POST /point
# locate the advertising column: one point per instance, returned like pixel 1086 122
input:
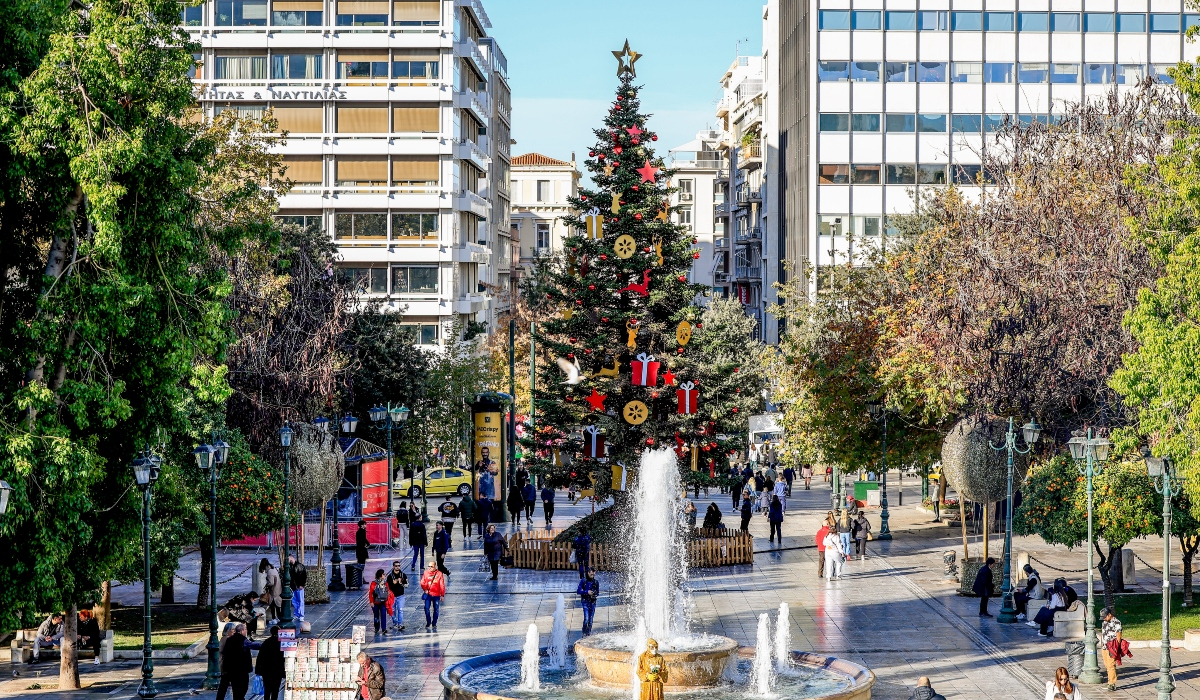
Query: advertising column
pixel 489 440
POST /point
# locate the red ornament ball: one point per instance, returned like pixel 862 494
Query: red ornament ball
pixel 549 295
pixel 618 98
pixel 622 201
pixel 637 216
pixel 696 255
pixel 634 142
pixel 616 164
pixel 649 441
pixel 654 394
pixel 587 351
pixel 592 287
pixel 635 189
pixel 734 409
pixel 578 302
pixel 699 325
pixel 604 319
pixel 654 137
pixel 647 249
pixel 603 256
pixel 571 355
pixel 617 150
pixel 600 156
pixel 683 278
pixel 695 241
pixel 679 350
pixel 735 370
pixel 573 340
pixel 583 198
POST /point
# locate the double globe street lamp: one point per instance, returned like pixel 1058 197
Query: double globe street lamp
pixel 1030 431
pixel 209 458
pixel 880 413
pixel 1162 474
pixel 146 469
pixel 348 425
pixel 390 417
pixel 1090 454
pixel 285 441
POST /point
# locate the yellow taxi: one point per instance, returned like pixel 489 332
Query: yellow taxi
pixel 441 481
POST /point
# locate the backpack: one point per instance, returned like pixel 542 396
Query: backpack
pixel 379 589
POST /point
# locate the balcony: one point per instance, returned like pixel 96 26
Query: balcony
pixel 721 243
pixel 477 7
pixel 746 194
pixel 477 102
pixel 752 235
pixel 470 253
pixel 470 51
pixel 724 105
pixel 750 156
pixel 721 208
pixel 466 200
pixel 750 274
pixel 470 303
pixel 748 114
pixel 473 152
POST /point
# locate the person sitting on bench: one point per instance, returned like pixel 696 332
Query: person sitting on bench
pixel 49 634
pixel 89 634
pixel 1034 590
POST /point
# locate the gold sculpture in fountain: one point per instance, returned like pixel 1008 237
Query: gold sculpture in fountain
pixel 652 672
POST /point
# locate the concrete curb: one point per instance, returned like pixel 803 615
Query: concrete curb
pixel 190 652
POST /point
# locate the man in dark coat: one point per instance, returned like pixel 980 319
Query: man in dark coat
pixel 419 540
pixel 270 665
pixel 516 504
pixel 924 691
pixel 372 682
pixel 299 576
pixel 441 545
pixel 983 586
pixel 583 551
pixel 235 666
pixel 361 545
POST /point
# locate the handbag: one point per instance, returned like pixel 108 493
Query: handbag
pixel 256 686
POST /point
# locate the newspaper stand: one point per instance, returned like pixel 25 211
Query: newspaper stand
pixel 322 669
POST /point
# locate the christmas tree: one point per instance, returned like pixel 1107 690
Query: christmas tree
pixel 623 316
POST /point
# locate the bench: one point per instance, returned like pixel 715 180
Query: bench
pixel 1069 624
pixel 1033 607
pixel 21 647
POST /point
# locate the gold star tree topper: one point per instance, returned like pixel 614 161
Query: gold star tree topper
pixel 625 60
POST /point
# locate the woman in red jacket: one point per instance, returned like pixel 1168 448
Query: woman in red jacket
pixel 433 583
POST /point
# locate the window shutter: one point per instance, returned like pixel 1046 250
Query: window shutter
pixel 362 7
pixel 362 120
pixel 304 170
pixel 361 56
pixel 362 169
pixel 297 6
pixel 416 55
pixel 300 120
pixel 418 11
pixel 415 169
pixel 416 118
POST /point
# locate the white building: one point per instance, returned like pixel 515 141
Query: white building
pixel 541 187
pixel 878 98
pixel 702 181
pixel 399 115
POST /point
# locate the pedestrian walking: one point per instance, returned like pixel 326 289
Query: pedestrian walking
pixel 380 598
pixel 441 545
pixel 747 510
pixel 822 532
pixel 529 498
pixel 1062 685
pixel 547 505
pixel 396 581
pixel 449 514
pixel 806 473
pixel 269 666
pixel 272 593
pixel 924 691
pixel 467 510
pixel 419 539
pixel 485 514
pixel 361 545
pixel 589 592
pixel 861 532
pixel 780 492
pixel 235 665
pixel 433 585
pixel 583 551
pixel 983 586
pixel 1112 647
pixel 373 683
pixel 299 579
pixel 775 518
pixel 516 504
pixel 789 475
pixel 834 556
pixel 493 549
pixel 845 530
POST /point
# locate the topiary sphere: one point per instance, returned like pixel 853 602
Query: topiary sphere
pixel 978 472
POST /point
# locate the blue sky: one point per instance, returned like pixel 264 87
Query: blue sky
pixel 563 74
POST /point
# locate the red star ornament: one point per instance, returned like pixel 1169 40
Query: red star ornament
pixel 634 131
pixel 669 378
pixel 596 400
pixel 648 172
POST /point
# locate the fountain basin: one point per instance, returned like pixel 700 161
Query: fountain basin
pixel 495 677
pixel 702 667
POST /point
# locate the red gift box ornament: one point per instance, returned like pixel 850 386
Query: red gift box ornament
pixel 688 396
pixel 645 370
pixel 593 442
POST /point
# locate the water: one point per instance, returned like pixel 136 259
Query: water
pixel 760 675
pixel 659 566
pixel 530 661
pixel 639 647
pixel 783 639
pixel 571 684
pixel 558 636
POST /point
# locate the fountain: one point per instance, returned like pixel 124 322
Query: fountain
pixel 558 636
pixel 701 665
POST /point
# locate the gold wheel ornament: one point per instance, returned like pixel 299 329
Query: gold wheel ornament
pixel 635 413
pixel 683 333
pixel 625 246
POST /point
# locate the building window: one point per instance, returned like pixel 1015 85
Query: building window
pixel 1065 73
pixel 833 19
pixel 543 236
pixel 865 175
pixel 362 65
pixel 834 122
pixel 192 16
pixel 1033 73
pixel 685 214
pixel 1064 21
pixel 901 174
pixel 362 14
pixel 866 225
pixel 1161 73
pixel 966 174
pixel 967 123
pixel 998 21
pixel 1130 74
pixel 426 333
pixel 902 21
pixel 240 68
pixel 931 123
pixel 931 174
pixel 992 123
pixel 1098 73
pixel 302 220
pixel 298 17
pixel 966 21
pixel 998 72
pixel 833 71
pixel 414 225
pixel 415 70
pixel 835 174
pixel 831 225
pixel 864 71
pixel 900 123
pixel 1033 21
pixel 297 66
pixel 543 191
pixel 868 19
pixel 360 226
pixel 966 72
pixel 241 13
pixel 686 190
pixel 1131 23
pixel 417 13
pixel 1098 22
pixel 1164 23
pixel 864 122
pixel 415 279
pixel 931 21
pixel 895 72
pixel 928 72
pixel 366 280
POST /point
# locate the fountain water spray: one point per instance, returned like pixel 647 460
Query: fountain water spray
pixel 530 661
pixel 660 566
pixel 558 636
pixel 760 674
pixel 783 639
pixel 639 646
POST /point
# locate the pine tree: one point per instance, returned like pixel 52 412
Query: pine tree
pixel 619 292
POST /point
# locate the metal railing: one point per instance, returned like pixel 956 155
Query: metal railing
pixel 749 272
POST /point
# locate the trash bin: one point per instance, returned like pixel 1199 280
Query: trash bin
pixel 1074 658
pixel 354 576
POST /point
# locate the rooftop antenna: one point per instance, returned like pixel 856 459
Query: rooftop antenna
pixel 737 46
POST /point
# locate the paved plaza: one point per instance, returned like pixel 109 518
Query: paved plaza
pixel 895 613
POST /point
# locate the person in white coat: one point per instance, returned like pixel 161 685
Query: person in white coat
pixel 1062 685
pixel 834 556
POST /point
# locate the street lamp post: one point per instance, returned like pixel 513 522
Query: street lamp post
pixel 1161 472
pixel 335 581
pixel 209 458
pixel 1089 454
pixel 880 413
pixel 145 472
pixel 285 617
pixel 389 416
pixel 1031 431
